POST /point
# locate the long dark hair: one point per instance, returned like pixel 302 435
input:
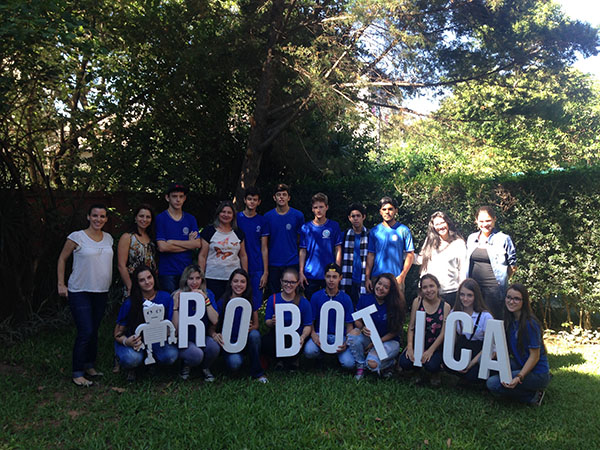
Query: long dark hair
pixel 228 295
pixel 473 286
pixel 396 304
pixel 136 311
pixel 527 316
pixel 133 228
pixel 433 239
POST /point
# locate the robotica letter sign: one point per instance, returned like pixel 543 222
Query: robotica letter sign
pixel 494 340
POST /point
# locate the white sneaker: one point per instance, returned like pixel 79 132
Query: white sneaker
pixel 262 379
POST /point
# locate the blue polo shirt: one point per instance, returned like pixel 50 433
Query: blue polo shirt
pixel 283 230
pixel 390 245
pixel 320 242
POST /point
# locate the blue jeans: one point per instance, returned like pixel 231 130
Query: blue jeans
pixel 434 365
pixel 234 361
pixel 87 309
pixel 257 293
pixel 168 283
pixel 358 343
pixel 312 351
pixel 194 356
pixel 524 392
pixel 130 358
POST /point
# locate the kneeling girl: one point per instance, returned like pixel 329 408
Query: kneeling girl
pixel 388 320
pixel 127 343
pixel 436 310
pixel 239 286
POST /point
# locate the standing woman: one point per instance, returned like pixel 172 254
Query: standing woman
pixel 291 292
pixel 137 246
pixel 444 254
pixel 239 286
pixel 87 289
pixel 492 260
pixel 192 280
pixel 471 302
pixel 388 320
pixel 223 249
pixel 436 311
pixel 528 357
pixel 127 344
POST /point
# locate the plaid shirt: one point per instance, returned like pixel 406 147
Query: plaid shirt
pixel 348 257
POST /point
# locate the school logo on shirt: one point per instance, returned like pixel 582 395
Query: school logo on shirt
pixel 258 228
pixel 288 226
pixel 326 234
pixel 186 230
pixel 394 237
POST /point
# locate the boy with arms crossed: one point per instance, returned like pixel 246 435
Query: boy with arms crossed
pixel 176 237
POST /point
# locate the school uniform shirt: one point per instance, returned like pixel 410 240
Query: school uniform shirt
pixel 320 298
pixel 306 317
pixel 254 229
pixel 532 340
pixel 168 228
pixel 92 263
pixel 319 241
pixel 223 252
pixel 389 245
pixel 283 232
pixel 379 317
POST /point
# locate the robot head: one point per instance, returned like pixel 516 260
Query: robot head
pixel 154 313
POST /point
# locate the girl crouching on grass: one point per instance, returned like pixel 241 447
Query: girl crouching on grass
pixel 436 311
pixel 528 357
pixel 192 280
pixel 239 286
pixel 127 344
pixel 471 302
pixel 388 320
pixel 290 293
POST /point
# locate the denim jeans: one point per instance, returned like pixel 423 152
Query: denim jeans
pixel 312 351
pixel 194 356
pixel 524 392
pixel 358 343
pixel 434 365
pixel 87 309
pixel 234 361
pixel 168 283
pixel 130 358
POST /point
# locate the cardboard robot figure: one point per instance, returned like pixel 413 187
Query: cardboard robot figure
pixel 155 329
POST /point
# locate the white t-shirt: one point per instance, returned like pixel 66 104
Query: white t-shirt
pixel 92 263
pixel 223 252
pixel 480 331
pixel 449 266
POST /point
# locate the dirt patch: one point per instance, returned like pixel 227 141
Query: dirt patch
pixel 11 369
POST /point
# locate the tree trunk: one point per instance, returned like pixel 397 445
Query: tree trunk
pixel 259 122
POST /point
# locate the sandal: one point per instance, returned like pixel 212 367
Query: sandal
pixel 82 382
pixel 93 373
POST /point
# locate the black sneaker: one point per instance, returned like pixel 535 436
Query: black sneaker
pixel 538 398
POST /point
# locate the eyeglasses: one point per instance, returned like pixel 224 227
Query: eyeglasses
pixel 513 299
pixel 288 282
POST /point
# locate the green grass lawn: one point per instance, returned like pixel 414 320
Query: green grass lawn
pixel 311 408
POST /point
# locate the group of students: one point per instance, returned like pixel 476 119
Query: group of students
pixel 280 258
